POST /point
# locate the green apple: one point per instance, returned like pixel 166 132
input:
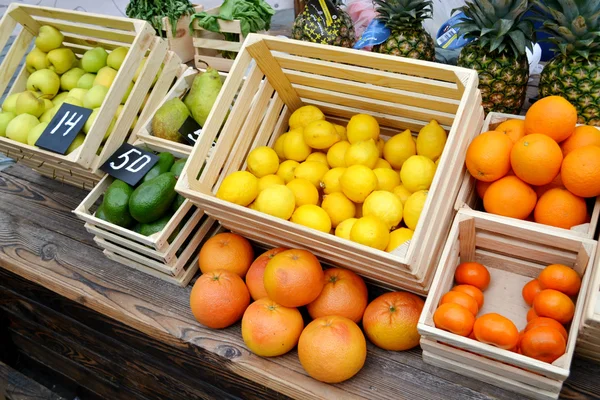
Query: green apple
pixel 36 60
pixel 29 103
pixel 127 93
pixel 135 121
pixel 139 69
pixel 78 141
pixel 49 38
pixel 95 96
pixel 73 100
pixel 86 81
pixel 70 78
pixel 58 100
pixel 145 100
pixel 48 104
pixel 35 133
pixel 105 76
pixel 61 60
pixel 77 63
pixel 94 59
pixel 120 108
pixel 90 121
pixel 5 118
pixel 45 81
pixel 157 75
pixel 116 57
pixel 10 103
pixel 18 129
pixel 78 93
pixel 48 115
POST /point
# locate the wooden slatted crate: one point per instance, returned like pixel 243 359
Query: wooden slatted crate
pixel 588 343
pixel 181 42
pixel 468 193
pixel 400 93
pixel 514 253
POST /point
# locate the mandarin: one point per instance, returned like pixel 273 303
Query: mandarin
pixel 581 171
pixel 513 128
pixel 536 159
pixel 554 304
pixel 530 290
pixel 454 318
pixel 543 343
pixel 510 197
pixel 488 156
pixel 461 299
pixel 226 251
pixel 472 273
pixel 496 330
pixel 560 277
pixel 254 277
pixel 543 321
pixel 584 135
pixel 561 208
pixel 472 291
pixel 553 116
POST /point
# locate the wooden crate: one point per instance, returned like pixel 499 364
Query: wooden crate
pixel 272 77
pixel 181 42
pixel 588 343
pixel 514 253
pixel 468 194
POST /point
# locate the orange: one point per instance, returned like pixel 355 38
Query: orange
pixel 270 329
pixel 531 314
pixel 510 197
pixel 553 116
pixel 543 343
pixel 390 321
pixel 332 349
pixel 543 321
pixel 472 291
pixel 462 299
pixel 513 128
pixel 472 273
pixel 293 278
pixel 530 290
pixel 482 187
pixel 536 159
pixel 226 251
pixel 581 171
pixel 556 183
pixel 488 156
pixel 561 208
pixel 584 135
pixel 554 304
pixel 344 294
pixel 254 277
pixel 454 318
pixel 219 299
pixel 560 277
pixel 496 330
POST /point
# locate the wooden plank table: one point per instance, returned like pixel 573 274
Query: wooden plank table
pixel 122 334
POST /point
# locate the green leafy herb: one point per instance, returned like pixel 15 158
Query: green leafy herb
pixel 153 11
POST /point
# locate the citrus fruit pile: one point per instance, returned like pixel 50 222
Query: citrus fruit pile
pixel 544 338
pixel 342 180
pixel 541 168
pixel 332 347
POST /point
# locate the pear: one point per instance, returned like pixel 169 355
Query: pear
pixel 10 103
pixel 18 129
pixel 95 96
pixel 78 93
pixel 116 57
pixel 29 103
pixel 36 132
pixel 61 60
pixel 105 76
pixel 70 78
pixel 36 60
pixel 78 141
pixel 93 60
pixel 202 96
pixel 5 118
pixel 45 81
pixel 168 119
pixel 86 81
pixel 49 38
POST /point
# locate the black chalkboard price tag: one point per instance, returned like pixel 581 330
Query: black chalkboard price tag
pixel 190 130
pixel 129 164
pixel 63 128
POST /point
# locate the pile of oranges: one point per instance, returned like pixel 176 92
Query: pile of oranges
pixel 332 347
pixel 544 338
pixel 541 168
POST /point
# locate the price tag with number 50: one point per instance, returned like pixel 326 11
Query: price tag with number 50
pixel 129 164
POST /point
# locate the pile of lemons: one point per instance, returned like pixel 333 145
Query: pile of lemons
pixel 347 181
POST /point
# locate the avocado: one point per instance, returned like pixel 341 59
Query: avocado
pixel 152 199
pixel 179 199
pixel 157 226
pixel 100 212
pixel 116 203
pixel 177 167
pixel 164 164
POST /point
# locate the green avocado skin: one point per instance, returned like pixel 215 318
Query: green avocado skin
pixel 116 203
pixel 157 226
pixel 179 199
pixel 164 164
pixel 152 199
pixel 177 167
pixel 100 212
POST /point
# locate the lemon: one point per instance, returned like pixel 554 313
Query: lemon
pixel 437 162
pixel 262 161
pixel 294 146
pixel 370 231
pixel 417 173
pixel 277 200
pixel 380 146
pixel 362 127
pixel 359 210
pixel 313 171
pixel 269 180
pixel 304 116
pixel 431 140
pixel 286 170
pixel 382 163
pixel 384 205
pixel 358 182
pixel 304 192
pixel 399 148
pixel 337 153
pixel 413 207
pixel 318 156
pixel 387 179
pixel 320 135
pixel 362 153
pixel 341 130
pixel 344 228
pixel 240 187
pixel 330 183
pixel 278 146
pixel 338 207
pixel 402 193
pixel 253 206
pixel 313 217
pixel 399 237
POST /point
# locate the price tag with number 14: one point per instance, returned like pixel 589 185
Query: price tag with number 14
pixel 63 128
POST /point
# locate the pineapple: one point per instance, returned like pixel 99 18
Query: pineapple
pixel 574 73
pixel 501 31
pixel 404 18
pixel 313 24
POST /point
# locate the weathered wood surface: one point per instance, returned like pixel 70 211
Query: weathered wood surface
pixel 133 330
pixel 16 386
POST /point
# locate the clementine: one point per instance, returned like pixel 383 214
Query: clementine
pixel 454 318
pixel 344 294
pixel 219 299
pixel 554 304
pixel 560 277
pixel 254 277
pixel 543 321
pixel 530 290
pixel 556 183
pixel 584 135
pixel 488 156
pixel 390 321
pixel 561 208
pixel 332 349
pixel 226 251
pixel 461 299
pixel 513 128
pixel 581 171
pixel 543 343
pixel 510 197
pixel 472 291
pixel 496 330
pixel 553 116
pixel 536 159
pixel 472 273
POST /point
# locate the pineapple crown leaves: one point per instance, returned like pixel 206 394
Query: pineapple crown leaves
pixel 498 25
pixel 573 25
pixel 403 13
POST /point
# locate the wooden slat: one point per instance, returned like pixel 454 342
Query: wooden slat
pixel 19 387
pixel 466 236
pixel 13 58
pixel 216 44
